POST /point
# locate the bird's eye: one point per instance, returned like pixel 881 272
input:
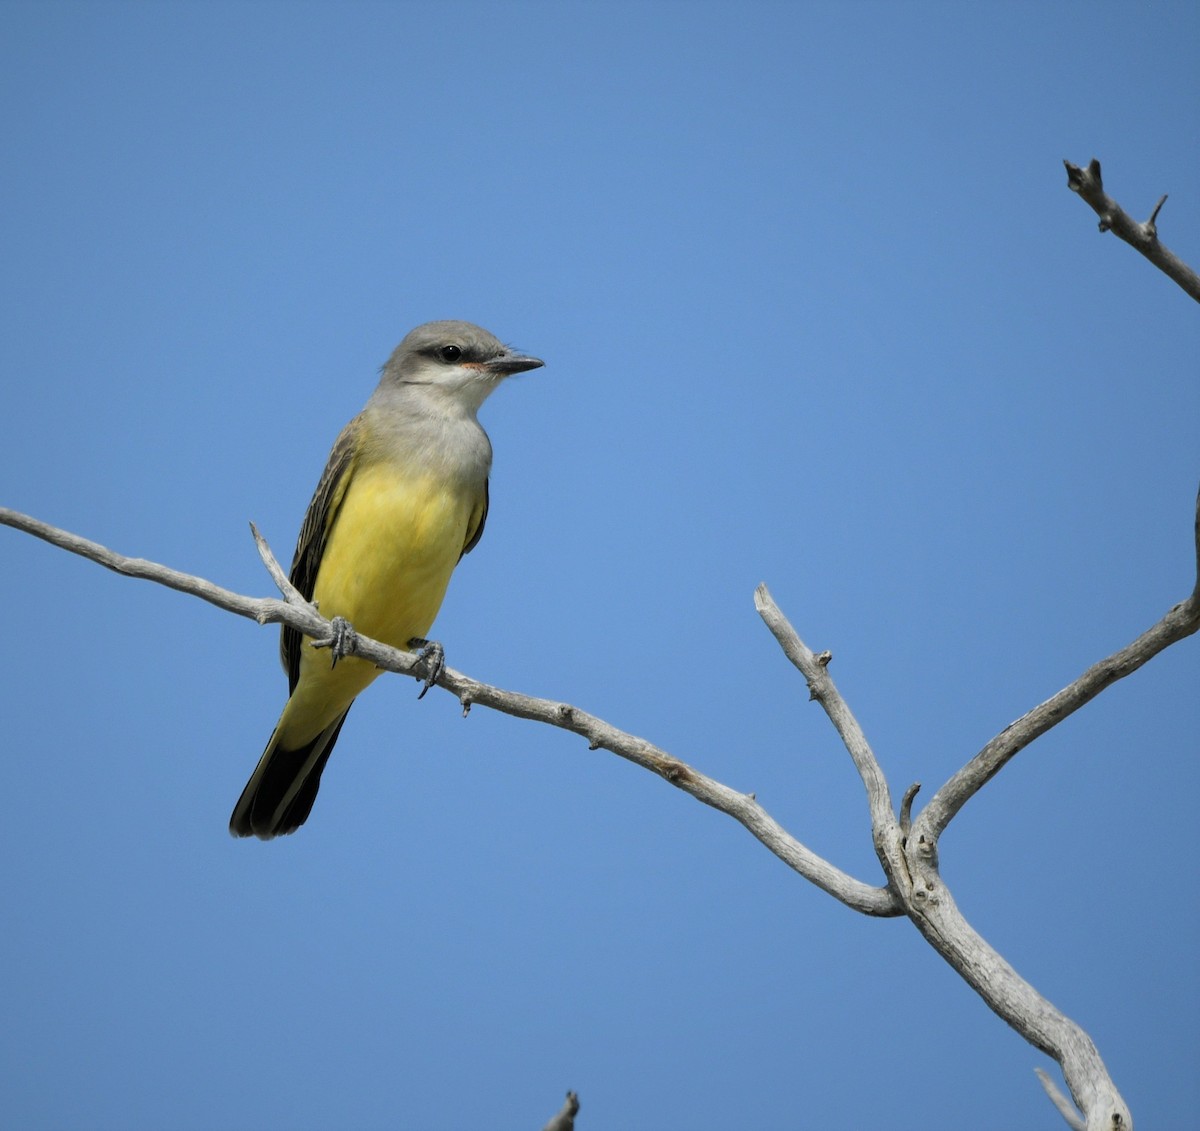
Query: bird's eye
pixel 450 353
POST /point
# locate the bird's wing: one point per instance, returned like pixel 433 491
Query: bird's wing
pixel 475 525
pixel 314 533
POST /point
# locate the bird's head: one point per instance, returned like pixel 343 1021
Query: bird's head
pixel 456 361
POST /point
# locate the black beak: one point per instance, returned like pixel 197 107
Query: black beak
pixel 508 363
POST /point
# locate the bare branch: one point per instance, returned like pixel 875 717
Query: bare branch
pixel 743 808
pixel 1180 622
pixel 909 856
pixel 565 1119
pixel 1144 237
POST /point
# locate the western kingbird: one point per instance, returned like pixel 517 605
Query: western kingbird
pixel 403 497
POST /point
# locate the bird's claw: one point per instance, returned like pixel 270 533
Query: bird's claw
pixel 433 656
pixel 340 640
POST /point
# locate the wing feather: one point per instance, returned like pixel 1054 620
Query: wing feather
pixel 314 534
pixel 475 526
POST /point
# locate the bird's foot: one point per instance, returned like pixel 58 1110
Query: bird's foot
pixel 433 656
pixel 340 640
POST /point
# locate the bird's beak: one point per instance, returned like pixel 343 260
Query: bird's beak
pixel 508 363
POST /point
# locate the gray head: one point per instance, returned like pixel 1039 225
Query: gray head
pixel 452 360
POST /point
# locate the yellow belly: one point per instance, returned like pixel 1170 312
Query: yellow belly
pixel 385 569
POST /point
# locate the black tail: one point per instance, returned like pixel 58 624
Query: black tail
pixel 280 793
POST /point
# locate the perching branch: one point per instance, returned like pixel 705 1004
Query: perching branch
pixel 907 849
pixel 297 613
pixel 1144 237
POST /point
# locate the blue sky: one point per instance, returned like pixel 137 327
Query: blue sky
pixel 817 309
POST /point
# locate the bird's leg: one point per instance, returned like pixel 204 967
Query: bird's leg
pixel 340 640
pixel 433 656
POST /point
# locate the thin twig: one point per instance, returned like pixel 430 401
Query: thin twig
pixel 906 804
pixel 290 593
pixel 564 1120
pixel 815 669
pixel 1065 1108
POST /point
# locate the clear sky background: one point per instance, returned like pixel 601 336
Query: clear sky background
pixel 817 309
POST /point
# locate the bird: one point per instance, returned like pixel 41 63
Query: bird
pixel 404 495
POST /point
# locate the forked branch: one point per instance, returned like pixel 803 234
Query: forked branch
pixel 910 860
